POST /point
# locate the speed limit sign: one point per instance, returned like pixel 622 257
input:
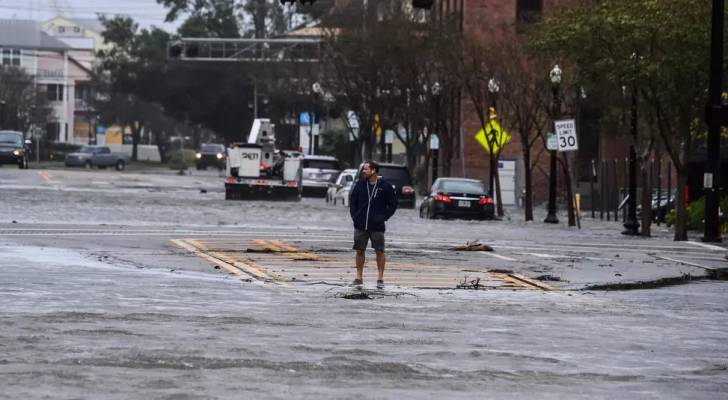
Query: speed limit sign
pixel 566 135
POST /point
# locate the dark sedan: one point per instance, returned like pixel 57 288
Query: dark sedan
pixel 13 149
pixel 457 198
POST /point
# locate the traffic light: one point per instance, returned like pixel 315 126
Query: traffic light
pixel 422 4
pixel 179 49
pixel 175 49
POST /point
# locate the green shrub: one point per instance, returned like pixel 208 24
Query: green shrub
pixel 696 215
pixel 181 159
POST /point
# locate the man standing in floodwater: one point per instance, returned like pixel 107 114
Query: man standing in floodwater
pixel 372 202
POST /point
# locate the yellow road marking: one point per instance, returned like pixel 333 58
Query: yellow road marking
pixel 264 244
pixel 533 282
pixel 248 266
pixel 195 251
pixel 231 265
pixel 280 270
pixel 291 252
pixel 284 246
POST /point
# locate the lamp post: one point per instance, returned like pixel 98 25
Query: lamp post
pixel 435 153
pixel 555 77
pixel 493 89
pixel 632 225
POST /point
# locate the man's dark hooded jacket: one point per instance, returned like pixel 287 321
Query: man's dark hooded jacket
pixel 371 217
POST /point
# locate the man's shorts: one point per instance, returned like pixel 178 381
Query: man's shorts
pixel 362 237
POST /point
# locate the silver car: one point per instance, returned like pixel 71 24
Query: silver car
pixel 318 173
pixel 96 156
pixel 339 191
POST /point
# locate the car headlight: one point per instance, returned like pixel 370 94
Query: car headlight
pixel 17 152
pixel 219 156
pixel 199 155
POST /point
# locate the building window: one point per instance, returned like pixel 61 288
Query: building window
pixel 83 92
pixel 11 57
pixel 76 29
pixel 529 11
pixel 55 92
pixel 53 129
pixel 61 29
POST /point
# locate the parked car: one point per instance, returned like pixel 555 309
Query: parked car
pixel 658 211
pixel 458 198
pixel 211 155
pixel 97 156
pixel 13 149
pixel 398 175
pixel 318 173
pixel 339 191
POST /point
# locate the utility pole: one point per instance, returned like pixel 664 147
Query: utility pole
pixel 716 117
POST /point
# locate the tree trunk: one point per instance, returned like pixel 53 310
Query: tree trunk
pixel 445 159
pixel 196 133
pixel 161 148
pixel 681 231
pixel 646 215
pixel 424 186
pixel 136 129
pixel 528 203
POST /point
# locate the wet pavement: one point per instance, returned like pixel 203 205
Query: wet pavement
pixel 99 301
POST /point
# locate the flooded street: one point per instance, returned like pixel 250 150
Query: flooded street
pixel 116 311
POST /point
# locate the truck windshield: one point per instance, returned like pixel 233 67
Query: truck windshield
pixel 212 148
pixel 86 149
pixel 11 138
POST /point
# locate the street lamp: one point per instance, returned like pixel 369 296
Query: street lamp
pixel 555 76
pixel 631 225
pixel 493 88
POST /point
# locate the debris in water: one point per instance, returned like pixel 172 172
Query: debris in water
pixel 357 296
pixel 472 284
pixel 473 246
pixel 548 278
pixel 266 250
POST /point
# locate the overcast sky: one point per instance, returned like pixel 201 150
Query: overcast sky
pixel 145 12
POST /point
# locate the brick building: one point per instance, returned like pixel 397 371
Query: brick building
pixel 494 20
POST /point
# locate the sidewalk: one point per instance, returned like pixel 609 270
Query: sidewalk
pixel 599 256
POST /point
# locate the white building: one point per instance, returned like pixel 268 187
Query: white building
pixel 61 70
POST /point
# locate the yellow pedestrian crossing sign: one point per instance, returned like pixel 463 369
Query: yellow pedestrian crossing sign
pixel 492 137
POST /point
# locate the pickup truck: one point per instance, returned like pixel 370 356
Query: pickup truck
pixel 97 156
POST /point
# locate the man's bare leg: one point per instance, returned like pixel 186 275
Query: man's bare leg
pixel 360 264
pixel 380 265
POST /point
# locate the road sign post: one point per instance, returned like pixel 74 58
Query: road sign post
pixel 566 135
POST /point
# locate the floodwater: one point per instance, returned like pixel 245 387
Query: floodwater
pixel 73 327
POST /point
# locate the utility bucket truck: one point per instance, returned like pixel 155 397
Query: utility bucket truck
pixel 257 170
